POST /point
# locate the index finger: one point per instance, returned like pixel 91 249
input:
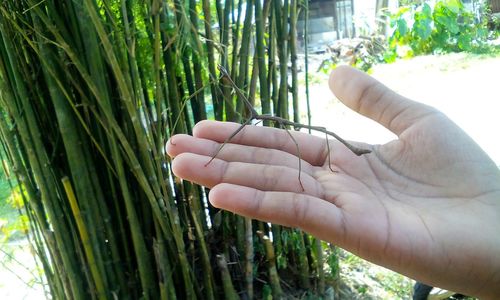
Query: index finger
pixel 312 148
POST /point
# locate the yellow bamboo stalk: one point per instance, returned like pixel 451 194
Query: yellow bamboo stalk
pixel 271 265
pixel 82 229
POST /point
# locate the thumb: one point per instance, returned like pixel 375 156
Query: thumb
pixel 367 96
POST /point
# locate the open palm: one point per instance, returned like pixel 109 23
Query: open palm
pixel 426 205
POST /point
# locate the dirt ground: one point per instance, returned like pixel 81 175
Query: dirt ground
pixel 463 86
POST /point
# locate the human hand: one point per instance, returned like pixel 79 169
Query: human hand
pixel 426 205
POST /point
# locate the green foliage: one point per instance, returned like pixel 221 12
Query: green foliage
pixel 370 281
pixel 333 262
pixel 447 27
pixel 4 186
pixel 5 208
pixel 267 293
pixel 364 64
pixel 394 283
pixel 14 230
pixel 16 199
pixel 13 223
pixel 10 204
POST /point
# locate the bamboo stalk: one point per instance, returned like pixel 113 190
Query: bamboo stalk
pixel 196 216
pixel 229 291
pixel 131 156
pixel 273 66
pixel 249 256
pixel 320 262
pixel 242 78
pixel 303 263
pixel 282 36
pixel 306 60
pixel 238 230
pixel 260 18
pixel 82 228
pixel 169 60
pixel 174 104
pixel 142 256
pixel 293 58
pixel 166 284
pixel 271 265
pixel 34 207
pixel 253 84
pixel 223 15
pixel 146 282
pixel 16 161
pixel 217 102
pixel 92 89
pixel 37 156
pixel 147 162
pixel 335 271
pixel 235 36
pixel 86 190
pixel 199 101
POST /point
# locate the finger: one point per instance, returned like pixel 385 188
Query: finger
pixel 369 97
pixel 312 148
pixel 233 152
pixel 318 217
pixel 193 167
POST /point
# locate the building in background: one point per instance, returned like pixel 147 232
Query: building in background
pixel 494 6
pixel 331 20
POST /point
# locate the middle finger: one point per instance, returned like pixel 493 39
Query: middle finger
pixel 194 167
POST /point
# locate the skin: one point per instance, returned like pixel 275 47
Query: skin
pixel 426 205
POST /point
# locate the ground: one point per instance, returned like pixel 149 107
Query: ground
pixel 463 86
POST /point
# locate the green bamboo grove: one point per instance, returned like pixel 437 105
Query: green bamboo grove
pixel 90 92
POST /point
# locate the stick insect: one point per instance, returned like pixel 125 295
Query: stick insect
pixel 283 123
